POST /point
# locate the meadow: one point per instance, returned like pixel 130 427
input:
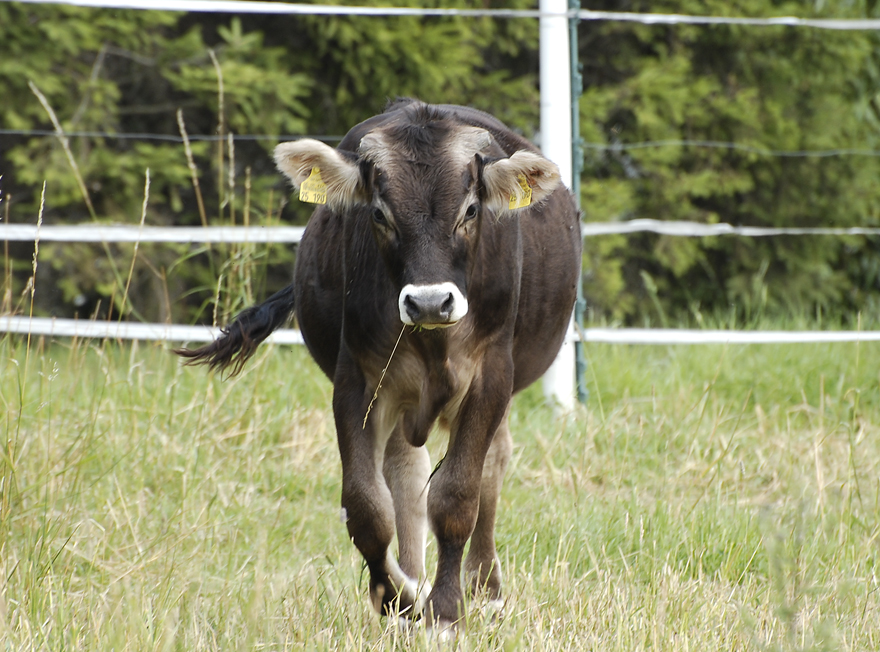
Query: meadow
pixel 706 498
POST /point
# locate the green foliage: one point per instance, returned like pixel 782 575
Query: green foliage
pixel 85 63
pixel 363 62
pixel 767 88
pixel 261 94
pixel 127 71
pixel 763 88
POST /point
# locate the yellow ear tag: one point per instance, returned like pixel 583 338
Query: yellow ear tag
pixel 523 195
pixel 313 190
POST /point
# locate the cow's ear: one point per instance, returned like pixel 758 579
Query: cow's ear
pixel 330 177
pixel 524 179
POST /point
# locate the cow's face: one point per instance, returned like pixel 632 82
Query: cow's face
pixel 426 189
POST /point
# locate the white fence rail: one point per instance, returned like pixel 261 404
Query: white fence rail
pixel 293 234
pixel 121 330
pixel 50 327
pixel 124 330
pixel 126 233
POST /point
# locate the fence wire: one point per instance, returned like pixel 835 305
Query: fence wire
pixel 292 9
pixel 613 147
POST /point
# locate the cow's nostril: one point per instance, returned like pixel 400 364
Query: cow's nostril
pixel 448 305
pixel 412 308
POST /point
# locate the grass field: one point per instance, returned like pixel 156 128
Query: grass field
pixel 708 498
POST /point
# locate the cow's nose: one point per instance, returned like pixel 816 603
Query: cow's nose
pixel 434 308
pixel 440 304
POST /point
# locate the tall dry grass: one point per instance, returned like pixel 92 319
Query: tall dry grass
pixel 708 498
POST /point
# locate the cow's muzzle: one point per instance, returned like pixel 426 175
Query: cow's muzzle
pixel 432 306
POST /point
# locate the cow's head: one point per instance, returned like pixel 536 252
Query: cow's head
pixel 426 185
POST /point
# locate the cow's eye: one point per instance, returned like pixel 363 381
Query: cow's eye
pixel 379 217
pixel 471 212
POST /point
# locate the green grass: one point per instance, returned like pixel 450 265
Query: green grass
pixel 709 498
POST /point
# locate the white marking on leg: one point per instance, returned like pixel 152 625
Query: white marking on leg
pixel 495 608
pixel 409 591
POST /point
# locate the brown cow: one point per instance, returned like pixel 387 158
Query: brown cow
pixel 448 247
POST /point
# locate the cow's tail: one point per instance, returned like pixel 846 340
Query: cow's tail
pixel 239 340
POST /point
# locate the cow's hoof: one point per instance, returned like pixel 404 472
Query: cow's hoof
pixel 483 578
pixel 494 609
pixel 413 597
pixel 438 633
pixel 442 631
pixel 404 599
pixel 445 609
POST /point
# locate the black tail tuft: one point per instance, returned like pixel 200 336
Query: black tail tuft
pixel 240 339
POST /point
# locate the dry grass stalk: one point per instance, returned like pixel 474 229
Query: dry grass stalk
pixel 221 124
pixel 137 243
pixel 382 377
pixel 65 144
pixel 193 171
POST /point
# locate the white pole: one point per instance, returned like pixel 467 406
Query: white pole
pixel 555 55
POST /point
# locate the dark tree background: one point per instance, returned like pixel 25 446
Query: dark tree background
pixel 786 89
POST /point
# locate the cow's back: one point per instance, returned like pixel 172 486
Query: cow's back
pixel 318 279
pixel 551 265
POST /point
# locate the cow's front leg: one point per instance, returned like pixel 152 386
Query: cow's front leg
pixel 454 496
pixel 482 567
pixel 366 500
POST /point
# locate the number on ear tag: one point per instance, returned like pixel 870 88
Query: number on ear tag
pixel 522 197
pixel 313 190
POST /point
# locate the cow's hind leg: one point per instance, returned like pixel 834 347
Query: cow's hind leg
pixel 407 469
pixel 482 567
pixel 369 512
pixel 366 498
